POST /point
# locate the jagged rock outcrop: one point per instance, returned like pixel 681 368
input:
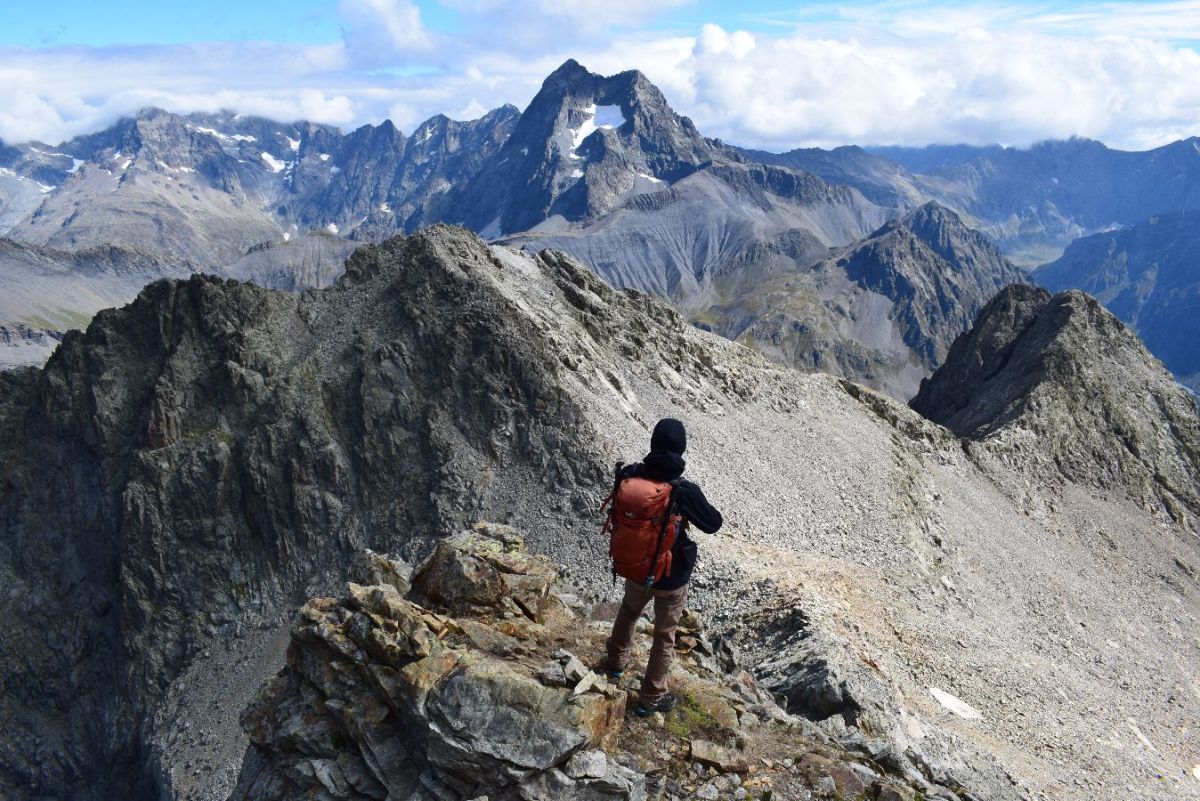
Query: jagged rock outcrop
pixel 1058 379
pixel 384 698
pixel 252 442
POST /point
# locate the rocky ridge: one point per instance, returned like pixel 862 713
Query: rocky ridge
pixel 1058 380
pixel 199 463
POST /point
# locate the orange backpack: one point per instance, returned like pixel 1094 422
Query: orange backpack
pixel 642 529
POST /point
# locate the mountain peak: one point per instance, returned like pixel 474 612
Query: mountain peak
pixel 1088 400
pixel 931 213
pixel 583 145
pixel 567 70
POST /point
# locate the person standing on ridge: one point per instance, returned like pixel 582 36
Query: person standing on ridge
pixel 649 510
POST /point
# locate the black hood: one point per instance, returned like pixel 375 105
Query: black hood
pixel 665 461
pixel 669 435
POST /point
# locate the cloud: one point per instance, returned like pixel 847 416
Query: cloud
pixel 379 31
pixel 904 75
pixel 974 86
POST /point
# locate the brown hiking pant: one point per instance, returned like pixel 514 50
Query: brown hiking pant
pixel 668 607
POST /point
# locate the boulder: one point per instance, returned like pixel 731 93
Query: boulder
pixel 480 568
pixel 714 756
pixel 370 568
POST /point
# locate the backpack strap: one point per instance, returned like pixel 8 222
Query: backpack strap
pixel 609 501
pixel 662 533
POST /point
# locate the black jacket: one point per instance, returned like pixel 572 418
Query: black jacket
pixel 689 502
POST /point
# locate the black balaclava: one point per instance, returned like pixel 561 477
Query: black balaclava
pixel 667 444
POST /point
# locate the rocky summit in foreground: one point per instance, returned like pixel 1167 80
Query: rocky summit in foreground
pixel 197 465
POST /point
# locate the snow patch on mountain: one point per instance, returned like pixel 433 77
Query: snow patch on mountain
pixel 955 704
pixel 275 164
pixel 169 168
pixel 227 137
pixel 596 117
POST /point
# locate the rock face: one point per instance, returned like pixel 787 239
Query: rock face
pixel 224 432
pixel 385 182
pixel 883 311
pixel 1058 379
pixel 1144 274
pixel 585 143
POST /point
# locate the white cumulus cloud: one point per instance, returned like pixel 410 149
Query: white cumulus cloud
pixel 972 86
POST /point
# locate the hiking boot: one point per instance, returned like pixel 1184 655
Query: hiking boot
pixel 664 705
pixel 611 672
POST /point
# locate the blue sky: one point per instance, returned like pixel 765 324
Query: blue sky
pixel 766 74
pixel 84 22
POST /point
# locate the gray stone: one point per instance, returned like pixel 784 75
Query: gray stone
pixel 587 765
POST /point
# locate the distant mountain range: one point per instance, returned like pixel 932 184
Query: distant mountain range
pixel 1033 201
pixel 789 252
pixel 1148 275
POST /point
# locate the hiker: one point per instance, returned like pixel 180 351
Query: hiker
pixel 651 507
